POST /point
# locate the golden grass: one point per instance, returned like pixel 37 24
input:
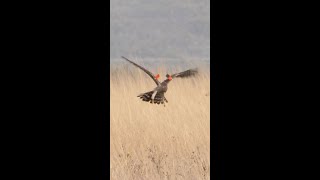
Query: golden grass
pixel 150 141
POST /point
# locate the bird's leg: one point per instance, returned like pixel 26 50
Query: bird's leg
pixel 153 95
pixel 162 101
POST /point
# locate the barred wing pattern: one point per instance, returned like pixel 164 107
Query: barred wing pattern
pixel 159 98
pixel 145 70
pixel 185 74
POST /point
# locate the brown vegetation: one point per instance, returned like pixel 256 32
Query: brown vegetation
pixel 150 141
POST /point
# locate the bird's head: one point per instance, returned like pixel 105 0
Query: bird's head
pixel 157 76
pixel 169 77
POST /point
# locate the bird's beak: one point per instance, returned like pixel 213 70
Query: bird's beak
pixel 157 76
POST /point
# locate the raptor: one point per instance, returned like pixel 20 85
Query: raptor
pixel 156 96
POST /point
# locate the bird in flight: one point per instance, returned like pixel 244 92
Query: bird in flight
pixel 156 96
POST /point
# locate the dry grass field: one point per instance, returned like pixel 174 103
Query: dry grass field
pixel 150 141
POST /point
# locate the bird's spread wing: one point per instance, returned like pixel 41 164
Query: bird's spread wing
pixel 185 74
pixel 146 71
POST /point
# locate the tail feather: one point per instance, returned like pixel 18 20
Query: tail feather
pixel 158 99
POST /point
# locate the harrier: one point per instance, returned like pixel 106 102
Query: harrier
pixel 156 96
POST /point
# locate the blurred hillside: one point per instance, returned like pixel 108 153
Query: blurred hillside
pixel 146 29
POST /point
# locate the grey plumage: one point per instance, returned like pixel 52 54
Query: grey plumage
pixel 156 96
pixel 145 70
pixel 185 74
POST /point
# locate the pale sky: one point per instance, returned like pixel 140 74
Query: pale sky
pixel 176 29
